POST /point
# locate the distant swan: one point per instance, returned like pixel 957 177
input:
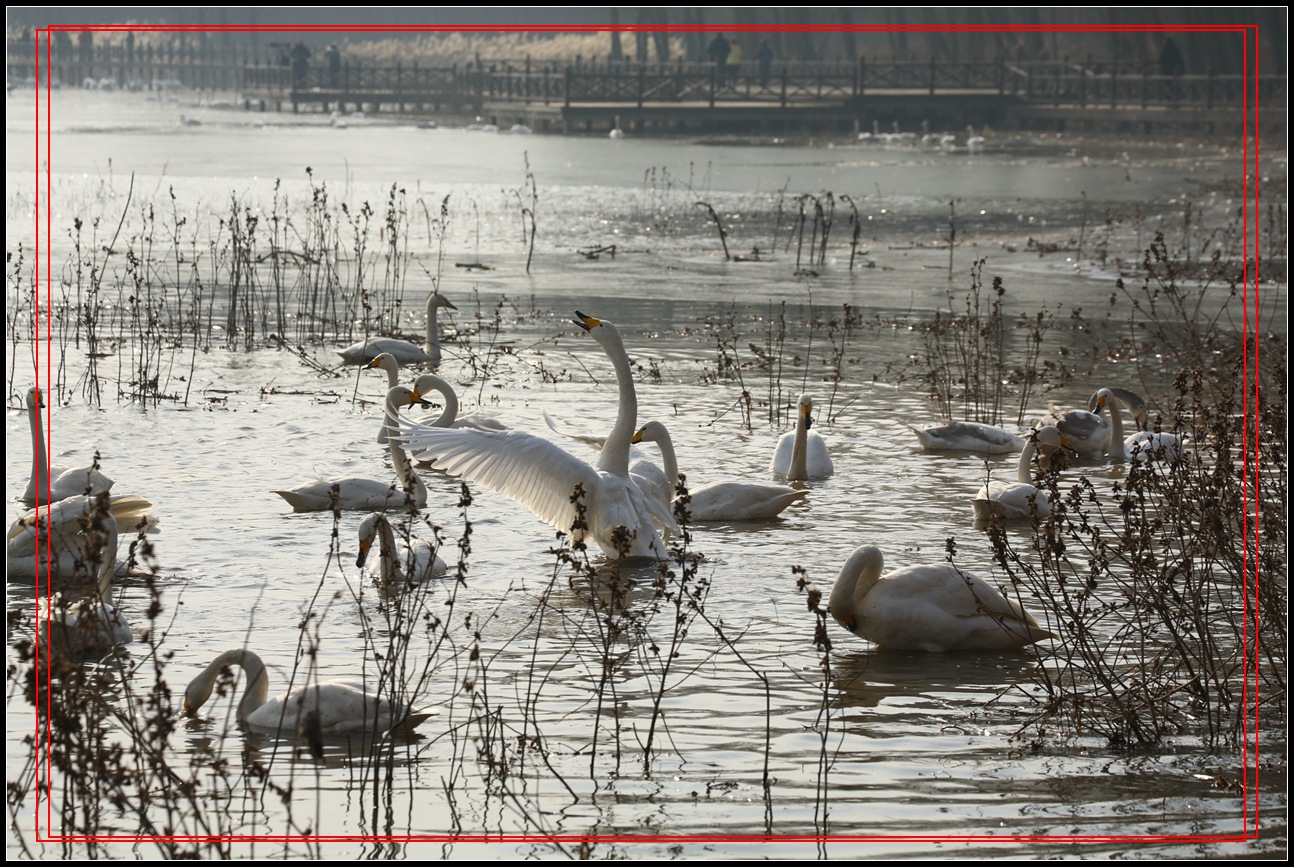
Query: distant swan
pixel 802 454
pixel 1020 500
pixel 968 436
pixel 934 608
pixel 616 131
pixel 366 494
pixel 722 501
pixel 414 555
pixel 364 351
pixel 63 482
pixel 542 476
pixel 342 707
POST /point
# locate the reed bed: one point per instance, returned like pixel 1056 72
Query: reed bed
pixel 1151 582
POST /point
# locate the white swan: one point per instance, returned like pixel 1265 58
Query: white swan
pixel 974 143
pixel 968 436
pixel 803 454
pixel 935 608
pixel 63 482
pixel 366 494
pixel 82 627
pixel 651 478
pixel 1143 445
pixel 721 501
pixel 414 558
pixel 542 476
pixel 403 351
pixel 74 542
pixel 336 706
pixel 1087 433
pixel 1021 499
pixel 616 131
pixel 449 417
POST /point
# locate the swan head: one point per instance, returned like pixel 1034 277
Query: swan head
pixel 852 584
pixel 403 396
pixel 384 361
pixel 1048 438
pixel 806 410
pixel 435 299
pixel 367 533
pixel 601 329
pixel 652 432
pixel 35 400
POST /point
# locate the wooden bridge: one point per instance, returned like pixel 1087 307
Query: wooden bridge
pixel 788 97
pixel 784 97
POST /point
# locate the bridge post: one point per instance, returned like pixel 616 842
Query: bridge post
pixel 1114 85
pixel 642 83
pixel 860 83
pixel 714 82
pixel 932 75
pixel 567 103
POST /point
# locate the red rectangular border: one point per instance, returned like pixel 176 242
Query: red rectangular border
pixel 1250 448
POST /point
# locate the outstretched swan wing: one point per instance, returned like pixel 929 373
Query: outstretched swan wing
pixel 536 473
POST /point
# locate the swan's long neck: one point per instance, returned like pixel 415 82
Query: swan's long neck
pixel 1116 424
pixel 800 448
pixel 432 344
pixel 410 481
pixel 615 453
pixel 40 457
pixel 389 563
pixel 666 444
pixel 855 581
pixel 255 694
pixel 450 413
pixel 1025 474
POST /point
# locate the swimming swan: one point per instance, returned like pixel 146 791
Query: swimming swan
pixel 722 501
pixel 82 627
pixel 542 476
pixel 934 608
pixel 415 555
pixel 968 436
pixel 342 706
pixel 803 454
pixel 1088 433
pixel 366 494
pixel 449 417
pixel 63 482
pixel 364 351
pixel 1143 445
pixel 1019 500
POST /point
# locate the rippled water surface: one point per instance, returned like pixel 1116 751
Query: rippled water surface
pixel 544 721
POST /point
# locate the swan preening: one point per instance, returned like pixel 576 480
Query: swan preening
pixel 802 454
pixel 1087 433
pixel 1020 500
pixel 63 482
pixel 542 476
pixel 335 706
pixel 935 608
pixel 366 494
pixel 968 436
pixel 399 565
pixel 721 501
pixel 74 541
pixel 364 351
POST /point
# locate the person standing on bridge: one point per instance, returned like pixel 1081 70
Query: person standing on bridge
pixel 765 58
pixel 718 52
pixel 300 56
pixel 734 62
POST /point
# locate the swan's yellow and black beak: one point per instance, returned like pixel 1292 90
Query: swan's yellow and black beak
pixel 372 363
pixel 808 417
pixel 588 323
pixel 416 399
pixel 450 304
pixel 638 437
pixel 364 545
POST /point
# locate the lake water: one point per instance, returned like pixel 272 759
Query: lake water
pixel 544 716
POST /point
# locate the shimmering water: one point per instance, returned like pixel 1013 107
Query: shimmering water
pixel 549 738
